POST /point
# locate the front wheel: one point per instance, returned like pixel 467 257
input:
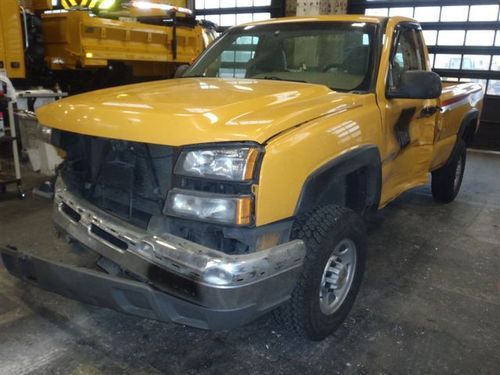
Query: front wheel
pixel 446 181
pixel 332 271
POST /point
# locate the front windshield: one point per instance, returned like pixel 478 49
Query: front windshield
pixel 335 54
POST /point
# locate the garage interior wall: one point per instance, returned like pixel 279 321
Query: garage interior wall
pixel 312 8
pixel 464 45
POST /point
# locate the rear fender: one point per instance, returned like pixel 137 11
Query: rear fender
pixel 466 133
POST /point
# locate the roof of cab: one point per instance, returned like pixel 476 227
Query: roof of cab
pixel 327 18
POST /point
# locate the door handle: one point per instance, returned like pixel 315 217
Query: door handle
pixel 429 111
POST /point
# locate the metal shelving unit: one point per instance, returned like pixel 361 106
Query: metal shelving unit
pixel 13 176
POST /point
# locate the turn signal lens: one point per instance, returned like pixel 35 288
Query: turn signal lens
pixel 220 208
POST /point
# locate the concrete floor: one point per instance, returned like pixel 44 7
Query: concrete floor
pixel 430 303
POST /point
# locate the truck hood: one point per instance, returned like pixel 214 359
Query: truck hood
pixel 194 110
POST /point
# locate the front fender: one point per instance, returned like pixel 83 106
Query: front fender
pixel 333 182
pixel 300 157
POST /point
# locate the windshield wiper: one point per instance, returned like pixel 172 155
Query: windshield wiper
pixel 276 78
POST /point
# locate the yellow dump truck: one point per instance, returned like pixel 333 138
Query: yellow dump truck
pixel 241 187
pixel 79 51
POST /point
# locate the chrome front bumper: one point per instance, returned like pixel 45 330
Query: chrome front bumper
pixel 205 277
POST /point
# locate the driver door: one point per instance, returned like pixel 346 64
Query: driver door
pixel 409 124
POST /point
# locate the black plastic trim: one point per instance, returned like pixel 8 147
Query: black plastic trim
pixel 470 119
pixel 319 181
pixel 72 214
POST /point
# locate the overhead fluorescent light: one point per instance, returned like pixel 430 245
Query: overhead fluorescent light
pixel 168 8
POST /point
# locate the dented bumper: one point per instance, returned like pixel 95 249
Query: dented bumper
pixel 177 280
pixel 124 295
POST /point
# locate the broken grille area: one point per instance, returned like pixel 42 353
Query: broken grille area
pixel 127 179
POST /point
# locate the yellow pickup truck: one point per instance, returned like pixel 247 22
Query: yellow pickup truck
pixel 241 187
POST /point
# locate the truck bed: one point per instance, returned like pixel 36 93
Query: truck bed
pixel 75 40
pixel 456 102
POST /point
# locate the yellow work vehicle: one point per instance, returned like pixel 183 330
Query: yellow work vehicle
pixel 241 187
pixel 96 43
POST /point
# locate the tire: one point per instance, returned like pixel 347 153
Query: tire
pixel 446 181
pixel 325 231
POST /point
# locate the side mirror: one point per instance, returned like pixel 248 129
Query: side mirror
pixel 417 84
pixel 181 69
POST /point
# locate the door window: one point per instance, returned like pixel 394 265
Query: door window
pixel 408 55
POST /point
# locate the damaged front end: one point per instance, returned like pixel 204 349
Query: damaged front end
pixel 111 197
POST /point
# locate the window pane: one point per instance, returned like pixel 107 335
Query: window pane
pixel 476 62
pixel 261 16
pixel 227 19
pixel 235 59
pixel 226 73
pixel 451 37
pixel 447 61
pixel 480 38
pixel 261 3
pixel 427 14
pixel 247 40
pixel 407 56
pixel 495 64
pixel 211 4
pixel 383 12
pixel 483 13
pixel 213 18
pixel 449 79
pixel 243 3
pixel 494 87
pixel 431 60
pixel 454 13
pixel 199 4
pixel 243 56
pixel 240 73
pixel 430 37
pixel 228 56
pixel 227 3
pixel 497 40
pixel 403 12
pixel 244 18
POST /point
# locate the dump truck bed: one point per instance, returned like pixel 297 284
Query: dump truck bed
pixel 76 40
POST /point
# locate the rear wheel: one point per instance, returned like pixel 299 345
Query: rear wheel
pixel 332 271
pixel 446 181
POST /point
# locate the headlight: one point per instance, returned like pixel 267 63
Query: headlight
pixel 224 209
pixel 231 164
